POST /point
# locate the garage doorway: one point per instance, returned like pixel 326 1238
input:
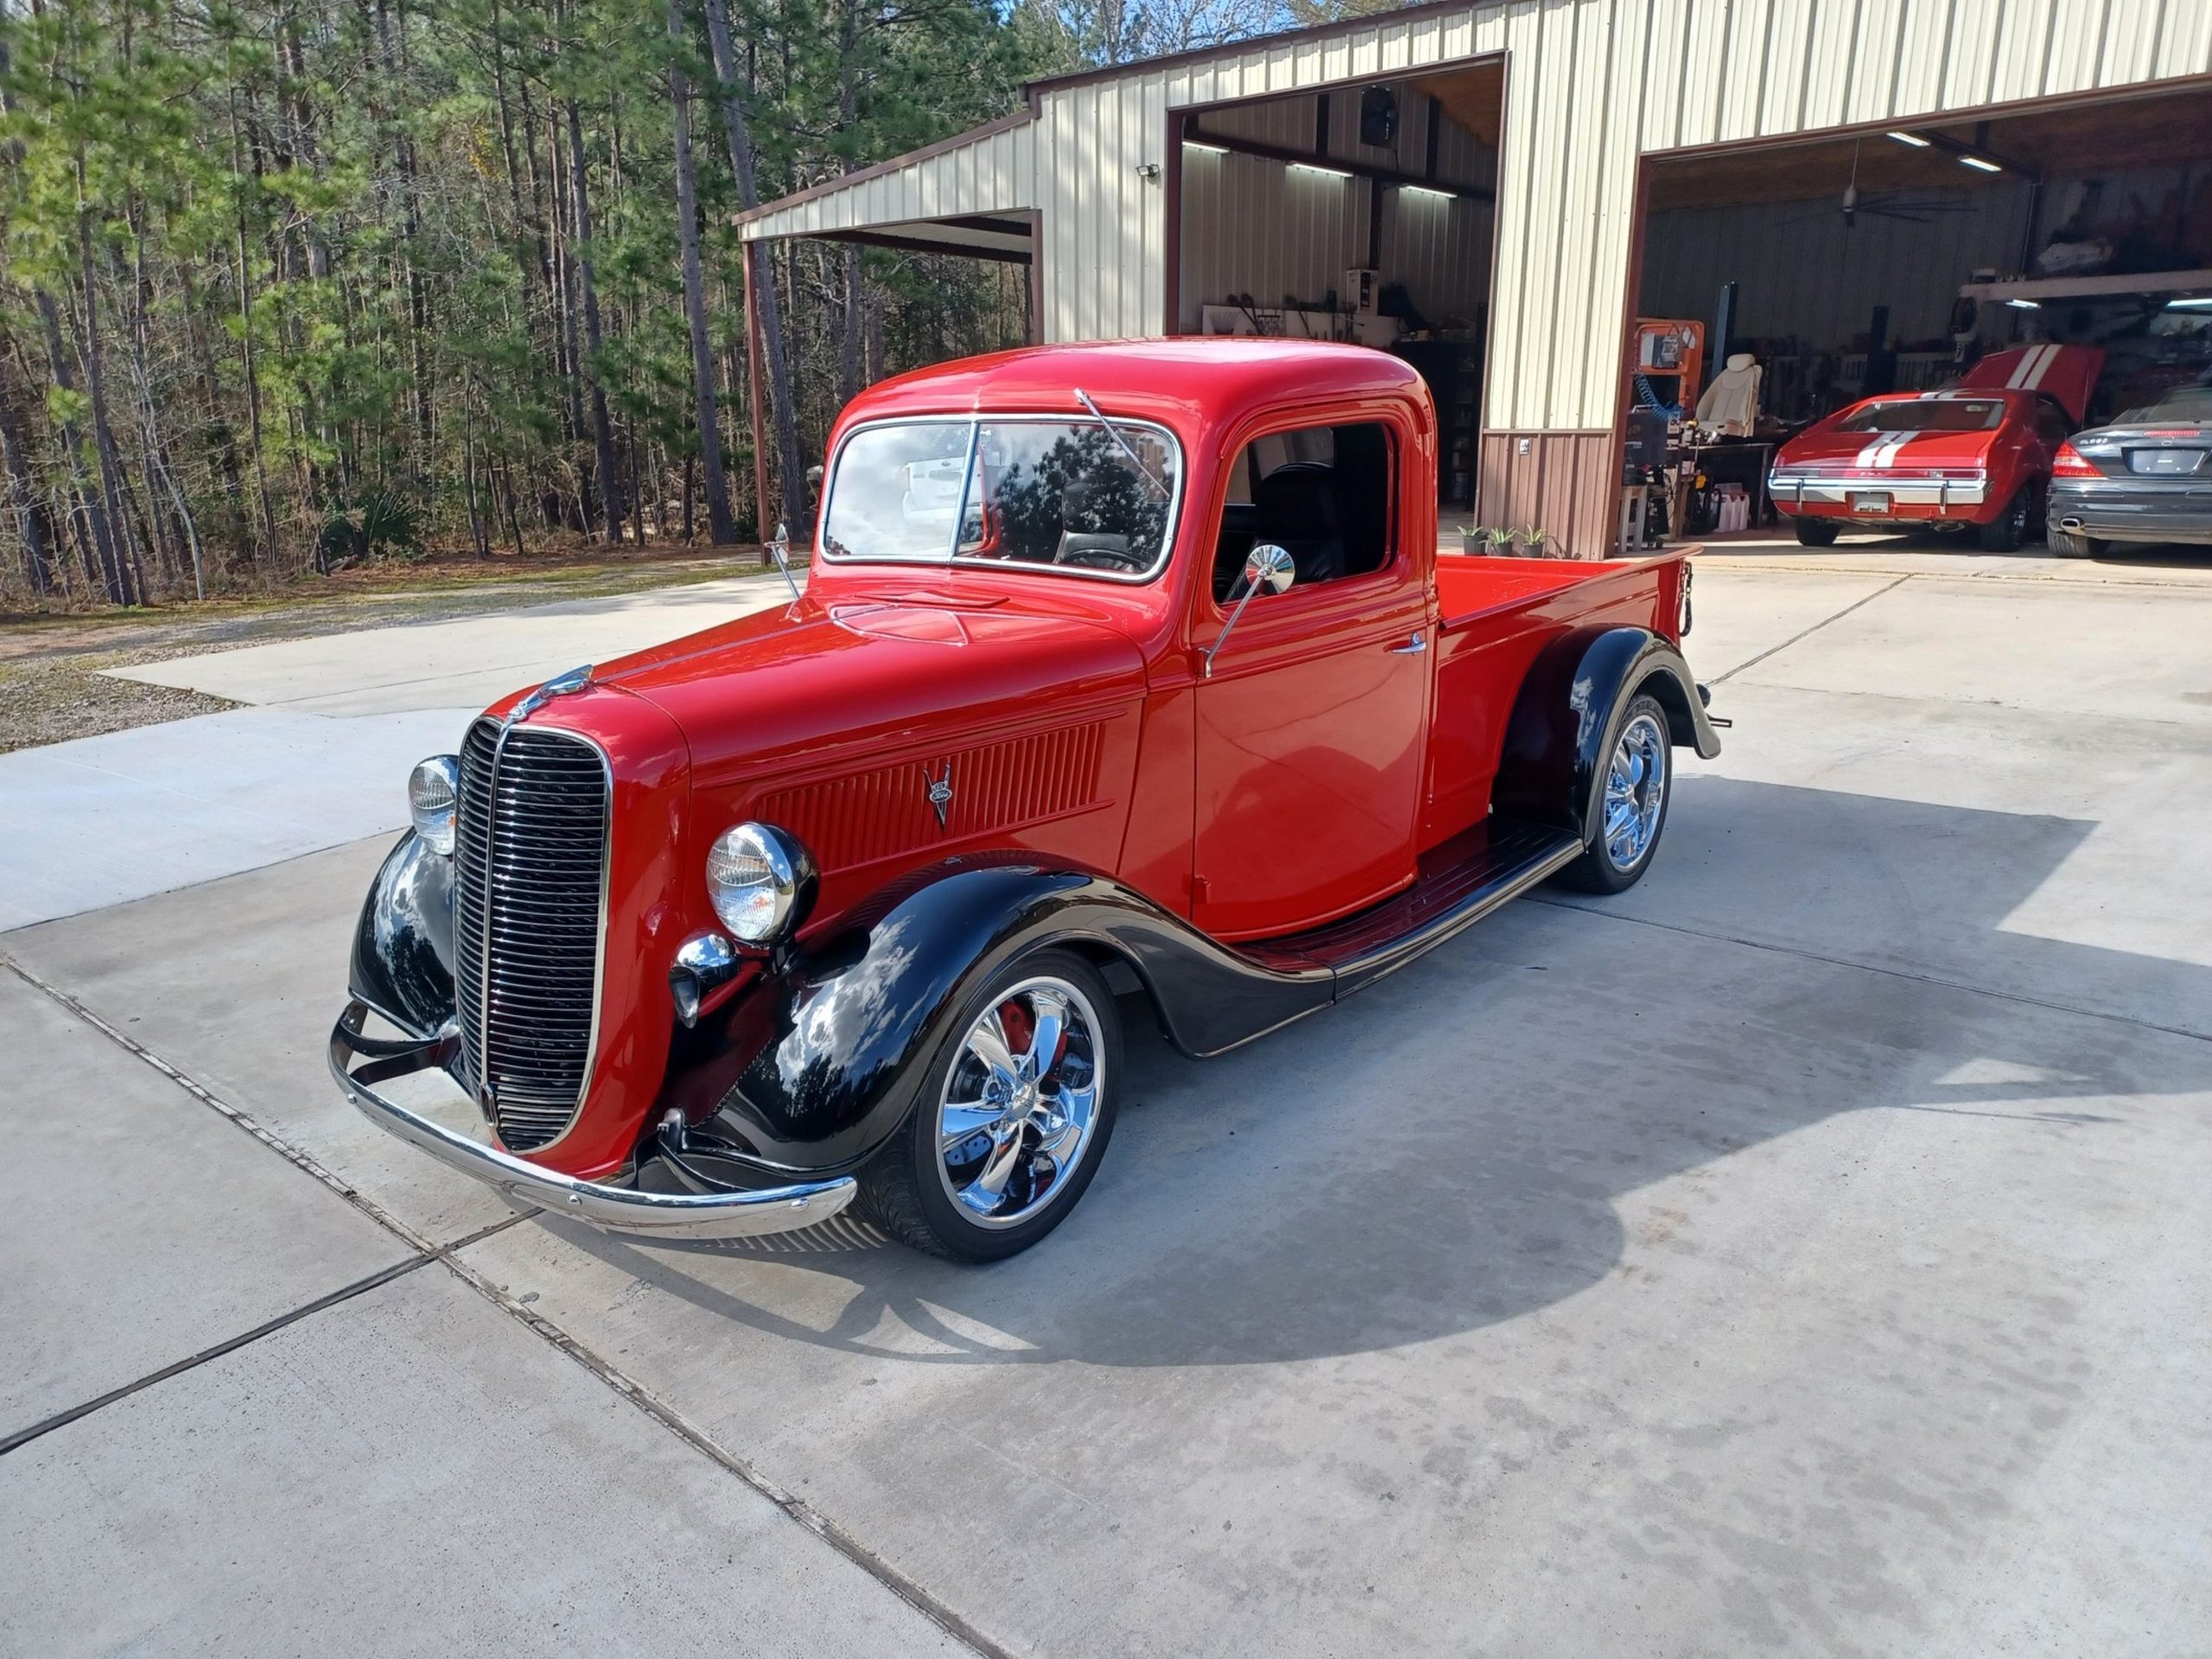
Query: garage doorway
pixel 1896 259
pixel 1364 213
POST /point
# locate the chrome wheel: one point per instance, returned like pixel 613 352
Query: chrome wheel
pixel 1636 792
pixel 1019 1102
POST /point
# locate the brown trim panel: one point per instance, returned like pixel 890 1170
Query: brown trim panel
pixel 1034 90
pixel 1566 484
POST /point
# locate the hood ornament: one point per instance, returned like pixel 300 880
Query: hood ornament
pixel 941 793
pixel 559 686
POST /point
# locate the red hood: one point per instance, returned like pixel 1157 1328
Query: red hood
pixel 2066 373
pixel 809 679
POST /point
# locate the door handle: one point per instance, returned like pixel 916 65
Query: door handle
pixel 1412 647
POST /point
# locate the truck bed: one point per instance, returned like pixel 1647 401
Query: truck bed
pixel 1494 616
pixel 1470 589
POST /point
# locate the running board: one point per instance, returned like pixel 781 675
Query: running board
pixel 1459 883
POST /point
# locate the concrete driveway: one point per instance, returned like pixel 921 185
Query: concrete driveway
pixel 1805 1252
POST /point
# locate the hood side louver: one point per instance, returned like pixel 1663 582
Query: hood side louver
pixel 883 813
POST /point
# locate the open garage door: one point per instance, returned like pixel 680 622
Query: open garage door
pixel 2020 252
pixel 1362 213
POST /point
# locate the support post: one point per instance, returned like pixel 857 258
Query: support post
pixel 757 402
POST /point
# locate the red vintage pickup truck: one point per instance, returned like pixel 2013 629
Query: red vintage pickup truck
pixel 1126 679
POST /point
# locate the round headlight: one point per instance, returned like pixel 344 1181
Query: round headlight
pixel 762 882
pixel 432 789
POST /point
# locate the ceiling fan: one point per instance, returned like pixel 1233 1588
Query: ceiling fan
pixel 1913 206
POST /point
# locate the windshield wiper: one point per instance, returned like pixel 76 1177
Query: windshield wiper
pixel 1113 432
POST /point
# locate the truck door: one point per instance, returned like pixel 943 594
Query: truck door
pixel 1311 726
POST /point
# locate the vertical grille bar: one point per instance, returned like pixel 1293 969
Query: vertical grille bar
pixel 529 862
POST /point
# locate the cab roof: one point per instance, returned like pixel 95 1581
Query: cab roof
pixel 1181 382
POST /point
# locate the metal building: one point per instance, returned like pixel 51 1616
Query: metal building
pixel 1518 165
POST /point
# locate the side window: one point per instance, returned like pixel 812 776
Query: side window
pixel 1321 494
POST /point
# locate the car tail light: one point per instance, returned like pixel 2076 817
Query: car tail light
pixel 2175 432
pixel 2069 462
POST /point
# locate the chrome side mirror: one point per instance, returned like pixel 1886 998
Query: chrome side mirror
pixel 1266 566
pixel 780 550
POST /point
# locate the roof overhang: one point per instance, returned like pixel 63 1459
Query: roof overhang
pixel 974 236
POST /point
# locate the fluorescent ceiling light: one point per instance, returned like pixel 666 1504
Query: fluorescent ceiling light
pixel 1309 167
pixel 1980 165
pixel 2202 304
pixel 1211 149
pixel 1425 190
pixel 1912 138
pixel 2026 305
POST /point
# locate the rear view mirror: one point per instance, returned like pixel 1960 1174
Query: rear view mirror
pixel 780 550
pixel 1268 568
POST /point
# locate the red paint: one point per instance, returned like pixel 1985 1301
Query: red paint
pixel 2068 374
pixel 1299 782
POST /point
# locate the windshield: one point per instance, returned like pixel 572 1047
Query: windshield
pixel 1064 495
pixel 1927 414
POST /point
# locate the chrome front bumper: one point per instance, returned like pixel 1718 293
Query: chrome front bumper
pixel 357 1061
pixel 1791 490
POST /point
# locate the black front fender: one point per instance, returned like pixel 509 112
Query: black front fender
pixel 402 946
pixel 1569 711
pixel 813 1067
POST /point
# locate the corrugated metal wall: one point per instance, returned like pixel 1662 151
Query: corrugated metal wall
pixel 1799 270
pixel 1253 225
pixel 1591 84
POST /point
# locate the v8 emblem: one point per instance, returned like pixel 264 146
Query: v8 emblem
pixel 941 793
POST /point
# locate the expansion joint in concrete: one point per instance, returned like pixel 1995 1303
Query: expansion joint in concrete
pixel 797 1508
pixel 1807 633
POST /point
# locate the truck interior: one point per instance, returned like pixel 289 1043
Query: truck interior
pixel 1321 494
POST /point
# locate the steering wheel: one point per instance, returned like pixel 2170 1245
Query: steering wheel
pixel 1099 553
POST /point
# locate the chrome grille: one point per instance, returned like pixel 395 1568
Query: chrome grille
pixel 529 860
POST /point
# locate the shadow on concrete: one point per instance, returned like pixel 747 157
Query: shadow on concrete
pixel 2147 557
pixel 1450 1149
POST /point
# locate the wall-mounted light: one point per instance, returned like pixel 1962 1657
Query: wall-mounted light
pixel 1424 190
pixel 1147 170
pixel 2026 305
pixel 1979 164
pixel 1327 172
pixel 1211 149
pixel 1912 138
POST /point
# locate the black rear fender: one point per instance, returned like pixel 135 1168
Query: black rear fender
pixel 1568 713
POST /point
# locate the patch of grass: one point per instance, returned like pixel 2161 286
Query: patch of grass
pixel 52 689
pixel 50 703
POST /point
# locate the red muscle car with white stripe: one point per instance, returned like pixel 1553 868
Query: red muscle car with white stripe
pixel 1974 455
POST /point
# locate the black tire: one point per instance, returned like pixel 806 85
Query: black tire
pixel 2071 544
pixel 1599 869
pixel 907 1186
pixel 1816 532
pixel 2005 533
